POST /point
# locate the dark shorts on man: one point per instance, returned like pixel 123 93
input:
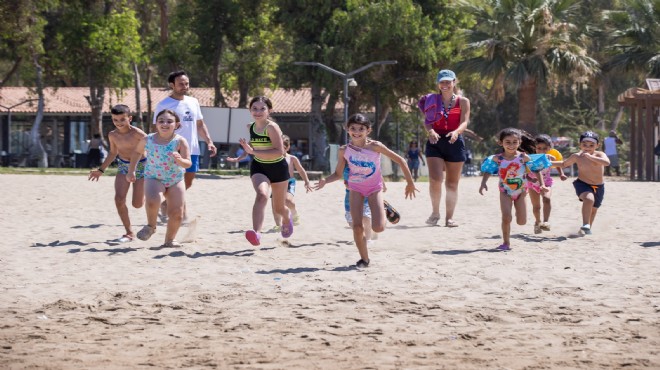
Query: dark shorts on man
pixel 449 152
pixel 195 163
pixel 598 191
pixel 275 172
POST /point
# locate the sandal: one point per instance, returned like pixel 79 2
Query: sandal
pixel 451 223
pixel 287 230
pixel 362 263
pixel 125 239
pixel 146 232
pixel 433 220
pixel 503 247
pixel 171 244
pixel 545 226
pixel 253 237
pixel 537 228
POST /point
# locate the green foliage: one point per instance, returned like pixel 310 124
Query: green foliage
pixel 97 45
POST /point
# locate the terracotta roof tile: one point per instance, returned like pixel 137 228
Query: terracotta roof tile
pixel 70 100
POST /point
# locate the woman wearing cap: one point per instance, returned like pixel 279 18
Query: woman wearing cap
pixel 446 117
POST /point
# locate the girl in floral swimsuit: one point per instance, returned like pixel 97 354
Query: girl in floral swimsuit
pixel 168 155
pixel 511 168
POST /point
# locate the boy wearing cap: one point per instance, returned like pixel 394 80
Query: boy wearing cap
pixel 589 185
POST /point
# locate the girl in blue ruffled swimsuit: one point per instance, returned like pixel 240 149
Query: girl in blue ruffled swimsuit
pixel 511 166
pixel 168 155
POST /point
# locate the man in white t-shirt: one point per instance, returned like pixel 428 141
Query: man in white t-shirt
pixel 192 121
pixel 610 144
pixel 192 126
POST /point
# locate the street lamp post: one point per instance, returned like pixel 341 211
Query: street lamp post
pixel 348 80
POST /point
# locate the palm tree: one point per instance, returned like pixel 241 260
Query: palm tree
pixel 636 31
pixel 525 45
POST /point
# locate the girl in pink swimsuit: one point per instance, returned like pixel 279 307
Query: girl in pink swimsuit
pixel 512 173
pixel 168 155
pixel 536 195
pixel 362 156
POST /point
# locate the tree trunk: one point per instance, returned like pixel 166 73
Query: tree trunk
pixel 333 132
pixel 527 105
pixel 37 149
pixel 218 98
pixel 164 29
pixel 317 131
pixel 149 112
pixel 243 88
pixel 138 101
pixel 95 99
pixel 11 72
pixel 601 105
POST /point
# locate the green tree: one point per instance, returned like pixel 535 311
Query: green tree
pixel 636 31
pixel 367 30
pixel 97 43
pixel 526 45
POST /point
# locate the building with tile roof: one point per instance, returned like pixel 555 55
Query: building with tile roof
pixel 65 127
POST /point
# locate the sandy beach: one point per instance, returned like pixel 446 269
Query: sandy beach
pixel 433 297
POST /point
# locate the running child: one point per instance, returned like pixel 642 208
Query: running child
pixel 268 169
pixel 543 145
pixel 293 162
pixel 362 156
pixel 589 186
pixel 168 155
pixel 511 168
pixel 123 141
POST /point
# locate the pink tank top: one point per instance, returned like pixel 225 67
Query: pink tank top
pixel 364 170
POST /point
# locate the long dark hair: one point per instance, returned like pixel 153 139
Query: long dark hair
pixel 527 142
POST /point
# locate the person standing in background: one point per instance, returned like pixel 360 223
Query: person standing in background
pixel 192 125
pixel 610 144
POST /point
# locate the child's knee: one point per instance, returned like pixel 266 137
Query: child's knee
pixel 138 203
pixel 378 227
pixel 507 219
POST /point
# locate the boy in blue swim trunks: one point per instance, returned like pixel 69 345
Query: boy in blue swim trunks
pixel 123 141
pixel 589 186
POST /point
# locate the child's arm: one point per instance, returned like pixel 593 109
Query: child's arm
pixel 339 170
pixel 598 158
pixel 566 163
pixel 382 179
pixel 483 186
pixel 410 187
pixel 239 158
pixel 137 155
pixel 182 156
pixel 112 154
pixel 301 172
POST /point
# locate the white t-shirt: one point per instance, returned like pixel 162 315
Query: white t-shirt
pixel 189 113
pixel 610 146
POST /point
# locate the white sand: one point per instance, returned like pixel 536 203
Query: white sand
pixel 433 297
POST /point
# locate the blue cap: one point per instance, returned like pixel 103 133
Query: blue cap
pixel 446 75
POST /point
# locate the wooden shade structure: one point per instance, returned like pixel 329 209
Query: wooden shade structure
pixel 644 131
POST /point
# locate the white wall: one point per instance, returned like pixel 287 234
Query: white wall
pixel 227 125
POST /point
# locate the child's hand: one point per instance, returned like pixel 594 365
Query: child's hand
pixel 544 189
pixel 232 159
pixel 94 175
pixel 410 191
pixel 563 177
pixel 246 146
pixel 308 186
pixel 320 184
pixel 482 188
pixel 177 157
pixel 384 187
pixel 130 177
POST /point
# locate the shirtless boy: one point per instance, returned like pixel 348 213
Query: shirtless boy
pixel 123 141
pixel 589 185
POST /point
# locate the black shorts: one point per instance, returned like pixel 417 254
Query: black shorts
pixel 597 190
pixel 449 152
pixel 275 172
